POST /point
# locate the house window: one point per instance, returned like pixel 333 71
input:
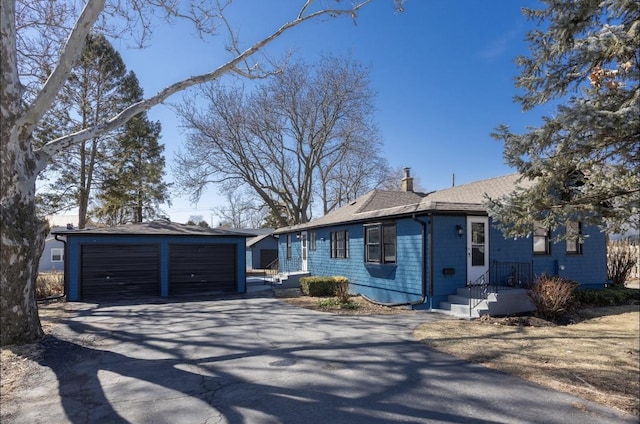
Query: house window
pixel 57 254
pixel 340 244
pixel 541 240
pixel 312 240
pixel 574 237
pixel 380 243
pixel 288 246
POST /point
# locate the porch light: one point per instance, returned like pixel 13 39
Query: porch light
pixel 459 230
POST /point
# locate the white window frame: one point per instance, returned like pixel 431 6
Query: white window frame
pixel 57 251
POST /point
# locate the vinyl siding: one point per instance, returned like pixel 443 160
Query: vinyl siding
pixel 589 268
pixel 402 282
pixel 387 283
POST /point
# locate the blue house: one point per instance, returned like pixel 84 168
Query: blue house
pixel 151 259
pixel 438 250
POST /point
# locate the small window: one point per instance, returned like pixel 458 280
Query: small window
pixel 288 246
pixel 574 237
pixel 312 240
pixel 380 243
pixel 57 254
pixel 340 244
pixel 541 240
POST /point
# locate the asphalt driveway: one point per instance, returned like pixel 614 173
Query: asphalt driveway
pixel 259 360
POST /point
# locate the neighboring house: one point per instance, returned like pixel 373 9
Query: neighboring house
pixel 52 259
pixel 401 247
pixel 157 258
pixel 262 250
pixel 262 247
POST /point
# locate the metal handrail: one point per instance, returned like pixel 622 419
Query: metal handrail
pixel 271 270
pixel 500 276
pixel 478 291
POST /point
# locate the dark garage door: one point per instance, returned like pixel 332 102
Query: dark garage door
pixel 268 257
pixel 110 272
pixel 198 269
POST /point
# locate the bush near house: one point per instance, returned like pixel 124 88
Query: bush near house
pixel 610 296
pixel 622 257
pixel 554 297
pixel 324 286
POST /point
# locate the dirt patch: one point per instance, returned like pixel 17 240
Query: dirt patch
pixel 357 305
pixel 597 358
pixel 20 362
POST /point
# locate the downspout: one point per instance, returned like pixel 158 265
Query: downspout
pixel 423 294
pixel 64 275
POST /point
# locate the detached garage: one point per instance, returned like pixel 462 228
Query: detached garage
pixel 157 258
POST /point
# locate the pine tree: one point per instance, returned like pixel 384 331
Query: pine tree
pixel 584 161
pixel 133 189
pixel 90 97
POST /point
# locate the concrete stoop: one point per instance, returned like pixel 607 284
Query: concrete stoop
pixel 289 280
pixel 502 302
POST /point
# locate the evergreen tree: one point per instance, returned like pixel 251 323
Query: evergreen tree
pixel 583 163
pixel 90 97
pixel 133 189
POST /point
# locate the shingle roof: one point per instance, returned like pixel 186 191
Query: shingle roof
pixel 384 199
pixel 475 192
pixel 383 204
pixel 255 240
pixel 156 228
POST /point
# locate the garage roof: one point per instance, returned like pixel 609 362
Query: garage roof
pixel 160 228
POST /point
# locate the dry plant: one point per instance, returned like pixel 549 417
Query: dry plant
pixel 342 291
pixel 622 256
pixel 49 284
pixel 553 296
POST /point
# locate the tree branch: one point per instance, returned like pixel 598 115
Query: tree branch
pixel 55 146
pixel 60 73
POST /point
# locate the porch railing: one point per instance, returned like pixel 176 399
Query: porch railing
pixel 499 277
pixel 271 270
pixel 293 264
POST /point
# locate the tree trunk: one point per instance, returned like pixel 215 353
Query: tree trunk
pixel 23 236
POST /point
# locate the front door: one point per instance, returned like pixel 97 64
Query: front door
pixel 303 250
pixel 477 249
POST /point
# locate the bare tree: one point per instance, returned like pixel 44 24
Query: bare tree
pixel 241 210
pixel 286 139
pixel 352 175
pixel 392 180
pixel 38 48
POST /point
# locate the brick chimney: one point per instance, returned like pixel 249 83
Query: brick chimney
pixel 407 180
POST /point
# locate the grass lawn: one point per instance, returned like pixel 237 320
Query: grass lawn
pixel 596 358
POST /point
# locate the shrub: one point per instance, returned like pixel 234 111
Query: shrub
pixel 321 286
pixel 622 256
pixel 342 290
pixel 611 296
pixel 333 303
pixel 49 284
pixel 553 297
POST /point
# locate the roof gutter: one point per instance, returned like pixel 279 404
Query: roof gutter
pixel 426 241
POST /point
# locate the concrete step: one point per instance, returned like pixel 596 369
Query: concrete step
pixel 460 300
pixel 462 310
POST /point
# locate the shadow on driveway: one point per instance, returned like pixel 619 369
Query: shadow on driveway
pixel 259 360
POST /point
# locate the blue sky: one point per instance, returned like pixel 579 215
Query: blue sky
pixel 443 70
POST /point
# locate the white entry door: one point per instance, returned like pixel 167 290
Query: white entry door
pixel 303 250
pixel 477 248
